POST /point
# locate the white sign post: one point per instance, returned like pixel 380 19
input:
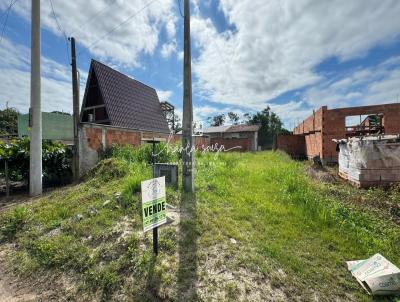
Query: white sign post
pixel 153 206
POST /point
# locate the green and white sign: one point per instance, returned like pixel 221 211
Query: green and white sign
pixel 153 203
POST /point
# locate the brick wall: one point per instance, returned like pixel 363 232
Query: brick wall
pixel 324 125
pixel 94 138
pixel 294 145
pixel 311 128
pixel 101 136
pixel 311 124
pixel 228 143
pixel 121 137
pixel 200 142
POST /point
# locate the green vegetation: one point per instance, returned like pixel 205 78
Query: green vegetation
pixel 270 126
pixel 259 229
pixel 56 161
pixel 269 122
pixel 8 121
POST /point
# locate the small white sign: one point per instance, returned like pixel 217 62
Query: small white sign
pixel 153 203
pixel 377 275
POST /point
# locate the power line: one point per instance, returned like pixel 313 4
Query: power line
pixel 61 29
pixel 179 5
pixel 7 12
pixel 8 8
pixel 119 25
pixel 90 19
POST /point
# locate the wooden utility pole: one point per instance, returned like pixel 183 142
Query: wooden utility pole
pixel 187 120
pixel 35 117
pixel 75 98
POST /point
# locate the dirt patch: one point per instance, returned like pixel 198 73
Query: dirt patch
pixel 14 200
pixel 10 291
pixel 222 279
pixel 42 286
pixel 322 174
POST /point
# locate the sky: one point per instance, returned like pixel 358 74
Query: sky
pixel 293 56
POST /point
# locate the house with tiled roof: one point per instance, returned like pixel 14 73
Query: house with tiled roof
pixel 117 110
pixel 243 136
pixel 115 99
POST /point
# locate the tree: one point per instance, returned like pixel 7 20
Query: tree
pixel 177 124
pixel 270 126
pixel 217 120
pixel 233 117
pixel 246 118
pixel 174 122
pixel 8 121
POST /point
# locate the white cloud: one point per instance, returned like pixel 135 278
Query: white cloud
pixel 168 49
pixel 366 86
pixel 140 34
pixel 15 80
pixel 275 45
pixel 201 113
pixel 56 81
pixel 164 95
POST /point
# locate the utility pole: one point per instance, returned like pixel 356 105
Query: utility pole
pixel 187 120
pixel 35 154
pixel 75 98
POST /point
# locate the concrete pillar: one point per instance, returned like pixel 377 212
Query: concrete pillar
pixel 35 161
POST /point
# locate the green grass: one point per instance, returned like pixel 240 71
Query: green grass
pixel 293 235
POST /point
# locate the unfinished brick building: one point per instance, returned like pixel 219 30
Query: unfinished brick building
pixel 313 137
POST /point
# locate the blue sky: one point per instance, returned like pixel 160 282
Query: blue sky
pixel 293 56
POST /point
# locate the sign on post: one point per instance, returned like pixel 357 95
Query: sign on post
pixel 153 203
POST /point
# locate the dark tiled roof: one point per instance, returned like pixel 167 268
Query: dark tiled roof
pixel 129 103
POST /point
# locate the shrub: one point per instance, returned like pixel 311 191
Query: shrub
pixel 141 154
pixel 109 169
pixel 56 161
pixel 61 251
pixel 13 221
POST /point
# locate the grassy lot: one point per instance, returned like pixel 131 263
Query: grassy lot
pixel 257 229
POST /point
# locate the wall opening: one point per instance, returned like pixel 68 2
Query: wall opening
pixel 360 125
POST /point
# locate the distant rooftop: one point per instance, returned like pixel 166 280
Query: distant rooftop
pixel 243 128
pixel 216 129
pixel 232 128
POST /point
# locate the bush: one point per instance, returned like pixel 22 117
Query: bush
pixel 56 161
pixel 141 154
pixel 13 221
pixel 109 169
pixel 61 251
